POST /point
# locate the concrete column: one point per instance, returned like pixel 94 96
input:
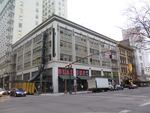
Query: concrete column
pixel 73 47
pixel 118 64
pixel 23 58
pixel 75 81
pixel 90 72
pixel 30 75
pixel 102 73
pixel 31 51
pixel 88 50
pixel 57 39
pixel 55 79
pixel 112 74
pixel 22 75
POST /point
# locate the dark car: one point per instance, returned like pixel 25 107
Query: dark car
pixel 18 92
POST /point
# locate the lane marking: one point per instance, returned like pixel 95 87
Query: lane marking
pixel 145 104
pixel 125 111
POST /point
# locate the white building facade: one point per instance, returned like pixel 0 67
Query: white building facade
pixel 65 42
pixel 57 7
pixel 17 18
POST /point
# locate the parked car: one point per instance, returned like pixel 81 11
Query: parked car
pixel 3 92
pixel 133 86
pixel 18 92
pixel 111 87
pixel 99 84
pixel 118 87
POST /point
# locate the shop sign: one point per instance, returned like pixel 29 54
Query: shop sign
pixel 82 72
pixel 65 71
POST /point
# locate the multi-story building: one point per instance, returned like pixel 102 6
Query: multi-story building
pixel 127 61
pixel 57 42
pixel 57 7
pixel 17 18
pixel 134 39
pixel 147 63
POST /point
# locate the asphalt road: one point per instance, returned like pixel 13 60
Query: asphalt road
pixel 126 101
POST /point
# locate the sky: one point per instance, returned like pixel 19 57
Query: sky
pixel 103 16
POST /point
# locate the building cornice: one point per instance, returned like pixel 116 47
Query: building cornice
pixel 66 22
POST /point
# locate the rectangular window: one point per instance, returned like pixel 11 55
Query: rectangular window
pixel 20 25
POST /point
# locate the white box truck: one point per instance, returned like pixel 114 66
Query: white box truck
pixel 99 84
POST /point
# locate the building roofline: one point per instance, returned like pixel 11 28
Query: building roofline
pixel 121 45
pixel 65 21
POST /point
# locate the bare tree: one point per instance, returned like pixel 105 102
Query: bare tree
pixel 139 18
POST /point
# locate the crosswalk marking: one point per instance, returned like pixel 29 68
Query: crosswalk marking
pixel 125 111
pixel 144 104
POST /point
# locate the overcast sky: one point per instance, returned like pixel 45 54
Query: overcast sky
pixel 103 16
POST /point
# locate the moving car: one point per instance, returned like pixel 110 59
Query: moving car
pixel 18 92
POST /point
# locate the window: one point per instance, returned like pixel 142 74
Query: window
pixel 20 25
pixel 65 57
pixel 36 17
pixel 140 57
pixel 82 60
pixel 37 4
pixel 37 10
pixel 36 23
pixel 95 73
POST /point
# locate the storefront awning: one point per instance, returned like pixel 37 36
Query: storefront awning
pixel 66 77
pixel 83 77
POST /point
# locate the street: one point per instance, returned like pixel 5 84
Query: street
pixel 126 101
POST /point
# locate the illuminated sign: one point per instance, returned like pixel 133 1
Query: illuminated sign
pixel 82 72
pixel 65 71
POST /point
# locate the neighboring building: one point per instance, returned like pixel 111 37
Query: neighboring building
pixel 57 7
pixel 17 18
pixel 127 60
pixel 134 41
pixel 147 63
pixel 57 42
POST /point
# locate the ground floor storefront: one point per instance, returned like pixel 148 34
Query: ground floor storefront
pixel 60 79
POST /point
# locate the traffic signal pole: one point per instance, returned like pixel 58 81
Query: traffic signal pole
pixel 69 66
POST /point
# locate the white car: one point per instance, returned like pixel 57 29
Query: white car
pixel 2 92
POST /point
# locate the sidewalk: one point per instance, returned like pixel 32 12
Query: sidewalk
pixel 60 94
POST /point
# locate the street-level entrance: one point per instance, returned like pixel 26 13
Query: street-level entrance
pixel 66 83
pixel 82 76
pixel 65 79
pixel 44 84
